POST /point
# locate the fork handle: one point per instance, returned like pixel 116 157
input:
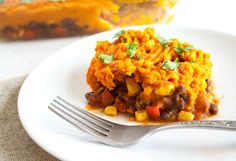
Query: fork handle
pixel 210 124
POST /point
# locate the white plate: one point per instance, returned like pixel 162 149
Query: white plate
pixel 64 74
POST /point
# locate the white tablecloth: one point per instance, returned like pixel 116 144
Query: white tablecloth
pixel 15 144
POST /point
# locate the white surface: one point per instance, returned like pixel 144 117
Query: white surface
pixel 64 74
pixel 18 58
pixel 212 14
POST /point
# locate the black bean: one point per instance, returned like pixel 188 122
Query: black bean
pixel 180 103
pixel 131 101
pixel 213 109
pixel 180 97
pixel 141 103
pixel 180 89
pixel 185 97
pixel 68 23
pixel 169 114
pixel 71 26
pixel 52 26
pixel 35 26
pixel 120 89
pixel 92 97
pixel 8 29
pixel 89 95
pixel 41 28
pixel 165 115
pixel 123 88
pixel 114 93
pixel 209 85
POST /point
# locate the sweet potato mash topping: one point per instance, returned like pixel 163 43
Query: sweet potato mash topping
pixel 142 72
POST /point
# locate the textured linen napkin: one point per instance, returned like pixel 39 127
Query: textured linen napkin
pixel 15 144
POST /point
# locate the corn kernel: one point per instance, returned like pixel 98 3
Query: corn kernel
pixel 141 115
pixel 165 90
pixel 185 116
pixel 110 111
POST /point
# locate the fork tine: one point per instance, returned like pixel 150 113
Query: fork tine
pixel 86 113
pixel 92 122
pixel 76 121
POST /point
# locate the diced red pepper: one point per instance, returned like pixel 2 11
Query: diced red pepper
pixel 28 34
pixel 107 98
pixel 153 111
pixel 93 98
pixel 59 31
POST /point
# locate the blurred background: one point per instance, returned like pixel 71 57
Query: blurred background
pixel 31 30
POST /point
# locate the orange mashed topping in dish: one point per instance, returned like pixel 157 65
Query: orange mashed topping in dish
pixel 31 19
pixel 151 78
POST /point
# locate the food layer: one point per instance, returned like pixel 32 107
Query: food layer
pixel 151 78
pixel 27 19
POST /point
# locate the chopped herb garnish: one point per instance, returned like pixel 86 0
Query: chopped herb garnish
pixel 105 58
pixel 118 34
pixel 27 1
pixel 179 49
pixel 57 0
pixel 1 1
pixel 131 49
pixel 190 47
pixel 171 65
pixel 176 60
pixel 162 41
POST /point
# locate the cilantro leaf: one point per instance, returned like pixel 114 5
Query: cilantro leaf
pixel 176 60
pixel 105 58
pixel 171 65
pixel 190 47
pixel 57 0
pixel 179 49
pixel 162 41
pixel 131 49
pixel 118 34
pixel 1 1
pixel 27 1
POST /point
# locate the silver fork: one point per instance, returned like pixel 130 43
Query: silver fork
pixel 122 135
